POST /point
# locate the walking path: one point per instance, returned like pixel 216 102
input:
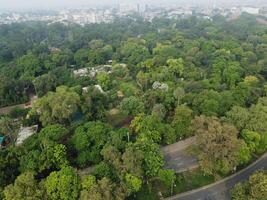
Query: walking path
pixel 6 110
pixel 177 158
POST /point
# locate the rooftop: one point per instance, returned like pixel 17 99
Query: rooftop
pixel 24 133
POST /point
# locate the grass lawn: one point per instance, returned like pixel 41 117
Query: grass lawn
pixel 184 182
pixel 146 193
pixel 191 180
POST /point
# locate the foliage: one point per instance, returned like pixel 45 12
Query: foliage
pixel 217 145
pixel 26 187
pixel 167 177
pixel 132 106
pixel 202 67
pixel 57 106
pixel 63 184
pixel 88 140
pixel 182 120
pixel 47 159
pixel 134 182
pixel 254 188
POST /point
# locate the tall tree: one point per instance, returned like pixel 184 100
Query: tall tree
pixel 63 184
pixel 57 106
pixel 254 188
pixel 217 146
pixel 26 187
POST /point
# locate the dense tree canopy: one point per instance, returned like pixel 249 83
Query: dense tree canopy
pixel 143 84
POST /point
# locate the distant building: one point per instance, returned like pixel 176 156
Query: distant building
pixel 96 87
pixel 86 72
pixel 24 133
pixel 81 72
pixel 251 10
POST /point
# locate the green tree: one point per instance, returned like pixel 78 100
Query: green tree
pixel 254 188
pixel 9 166
pixel 258 117
pixel 26 187
pixel 182 120
pixel 88 140
pixel 102 189
pixel 159 111
pixel 96 44
pixel 176 66
pixel 45 83
pixel 238 116
pixel 133 182
pixel 6 126
pixel 252 139
pixel 217 146
pixel 103 80
pixel 52 134
pixel 29 65
pixel 148 127
pixel 132 160
pixel 163 52
pixel 153 158
pixel 142 79
pixel 168 177
pixel 81 57
pixel 133 51
pixel 207 102
pixel 63 184
pixel 57 106
pixel 178 94
pixel 132 106
pixel 47 159
pixel 232 74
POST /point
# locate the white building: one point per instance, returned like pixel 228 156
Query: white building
pixel 24 133
pixel 251 10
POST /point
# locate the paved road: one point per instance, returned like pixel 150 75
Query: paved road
pixel 221 190
pixel 177 158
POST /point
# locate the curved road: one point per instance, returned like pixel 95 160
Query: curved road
pixel 221 190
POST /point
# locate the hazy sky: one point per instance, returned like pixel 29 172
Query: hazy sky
pixel 33 4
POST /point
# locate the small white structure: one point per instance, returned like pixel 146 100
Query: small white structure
pixel 92 72
pixel 99 88
pixel 81 72
pixel 160 86
pixel 85 89
pixel 99 69
pixel 24 133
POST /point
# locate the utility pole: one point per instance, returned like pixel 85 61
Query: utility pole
pixel 172 186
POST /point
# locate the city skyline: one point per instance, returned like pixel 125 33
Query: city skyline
pixel 60 4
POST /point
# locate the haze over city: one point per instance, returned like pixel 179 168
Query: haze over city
pixel 56 4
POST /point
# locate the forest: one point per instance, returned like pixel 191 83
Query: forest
pixel 111 95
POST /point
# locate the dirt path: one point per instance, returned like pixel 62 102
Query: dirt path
pixel 177 158
pixel 6 110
